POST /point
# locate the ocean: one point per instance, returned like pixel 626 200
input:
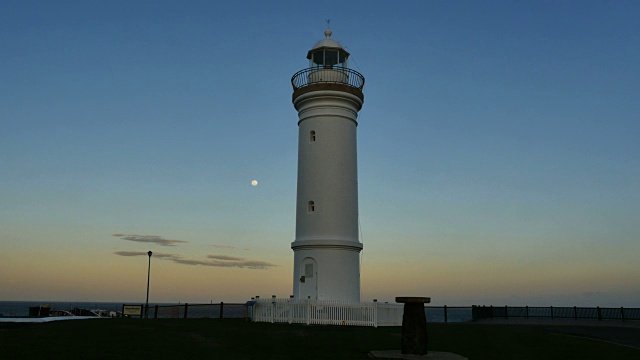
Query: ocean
pixel 21 308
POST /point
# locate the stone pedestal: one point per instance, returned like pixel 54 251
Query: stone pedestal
pixel 414 325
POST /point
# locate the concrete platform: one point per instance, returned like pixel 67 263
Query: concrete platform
pixel 432 355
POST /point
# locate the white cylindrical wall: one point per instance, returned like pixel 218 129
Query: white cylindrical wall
pixel 337 271
pixel 327 197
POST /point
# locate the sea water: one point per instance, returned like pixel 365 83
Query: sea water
pixel 21 308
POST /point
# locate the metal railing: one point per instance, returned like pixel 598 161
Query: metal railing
pixel 335 75
pixel 193 311
pixel 376 313
pixel 592 313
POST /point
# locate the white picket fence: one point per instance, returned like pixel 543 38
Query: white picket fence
pixel 278 310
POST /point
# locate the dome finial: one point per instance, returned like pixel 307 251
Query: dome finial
pixel 328 32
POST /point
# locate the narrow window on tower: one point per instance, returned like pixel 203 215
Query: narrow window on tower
pixel 311 207
pixel 312 136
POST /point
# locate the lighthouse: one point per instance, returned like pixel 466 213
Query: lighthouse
pixel 327 95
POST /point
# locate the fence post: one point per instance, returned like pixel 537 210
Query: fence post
pixel 273 308
pixel 527 311
pixel 622 313
pixel 308 310
pixel 506 312
pixel 221 309
pixel 491 307
pixel 155 313
pixel 575 313
pixel 375 313
pixel 290 309
pixel 552 312
pixel 186 308
pixel 599 313
pixel 445 313
pixel 122 313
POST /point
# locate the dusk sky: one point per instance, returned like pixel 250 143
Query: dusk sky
pixel 498 148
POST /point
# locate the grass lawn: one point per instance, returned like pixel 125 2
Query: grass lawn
pixel 237 339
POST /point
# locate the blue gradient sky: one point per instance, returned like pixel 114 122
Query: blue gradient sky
pixel 498 148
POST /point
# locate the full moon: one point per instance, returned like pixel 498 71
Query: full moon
pixel 254 182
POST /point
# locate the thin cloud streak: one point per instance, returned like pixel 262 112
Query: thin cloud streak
pixel 142 253
pixel 216 260
pixel 224 257
pixel 229 247
pixel 249 264
pixel 154 239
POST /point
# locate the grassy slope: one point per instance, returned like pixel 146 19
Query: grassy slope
pixel 235 339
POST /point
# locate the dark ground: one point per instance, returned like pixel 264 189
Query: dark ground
pixel 618 332
pixel 236 339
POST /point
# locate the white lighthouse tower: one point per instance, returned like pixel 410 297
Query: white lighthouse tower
pixel 327 96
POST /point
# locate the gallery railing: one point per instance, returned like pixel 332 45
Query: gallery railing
pixel 335 75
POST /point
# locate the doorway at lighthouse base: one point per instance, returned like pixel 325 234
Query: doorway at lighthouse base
pixel 308 288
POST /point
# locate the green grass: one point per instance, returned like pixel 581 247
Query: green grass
pixel 236 339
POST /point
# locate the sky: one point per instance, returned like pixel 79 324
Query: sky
pixel 498 149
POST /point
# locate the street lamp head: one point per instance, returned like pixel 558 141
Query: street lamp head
pixel 149 253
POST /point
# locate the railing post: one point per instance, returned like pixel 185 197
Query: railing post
pixel 599 313
pixel 527 311
pixel 273 308
pixel 622 313
pixel 308 310
pixel 575 313
pixel 155 313
pixel 552 312
pixel 290 309
pixel 506 312
pixel 375 313
pixel 186 309
pixel 221 309
pixel 445 314
pixel 491 307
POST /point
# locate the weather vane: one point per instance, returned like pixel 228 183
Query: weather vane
pixel 328 26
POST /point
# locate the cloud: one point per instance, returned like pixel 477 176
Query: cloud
pixel 144 253
pixel 212 260
pixel 224 257
pixel 229 247
pixel 130 253
pixel 155 239
pixel 249 264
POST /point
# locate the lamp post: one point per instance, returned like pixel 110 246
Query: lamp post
pixel 146 308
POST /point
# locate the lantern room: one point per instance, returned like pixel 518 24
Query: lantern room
pixel 328 54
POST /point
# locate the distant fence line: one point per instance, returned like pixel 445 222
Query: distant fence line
pixel 374 313
pixel 219 310
pixel 592 313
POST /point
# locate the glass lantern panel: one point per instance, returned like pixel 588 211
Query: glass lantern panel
pixel 316 59
pixel 342 59
pixel 330 58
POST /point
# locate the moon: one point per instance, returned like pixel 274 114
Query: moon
pixel 254 182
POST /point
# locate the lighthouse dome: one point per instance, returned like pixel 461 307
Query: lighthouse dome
pixel 328 53
pixel 328 42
